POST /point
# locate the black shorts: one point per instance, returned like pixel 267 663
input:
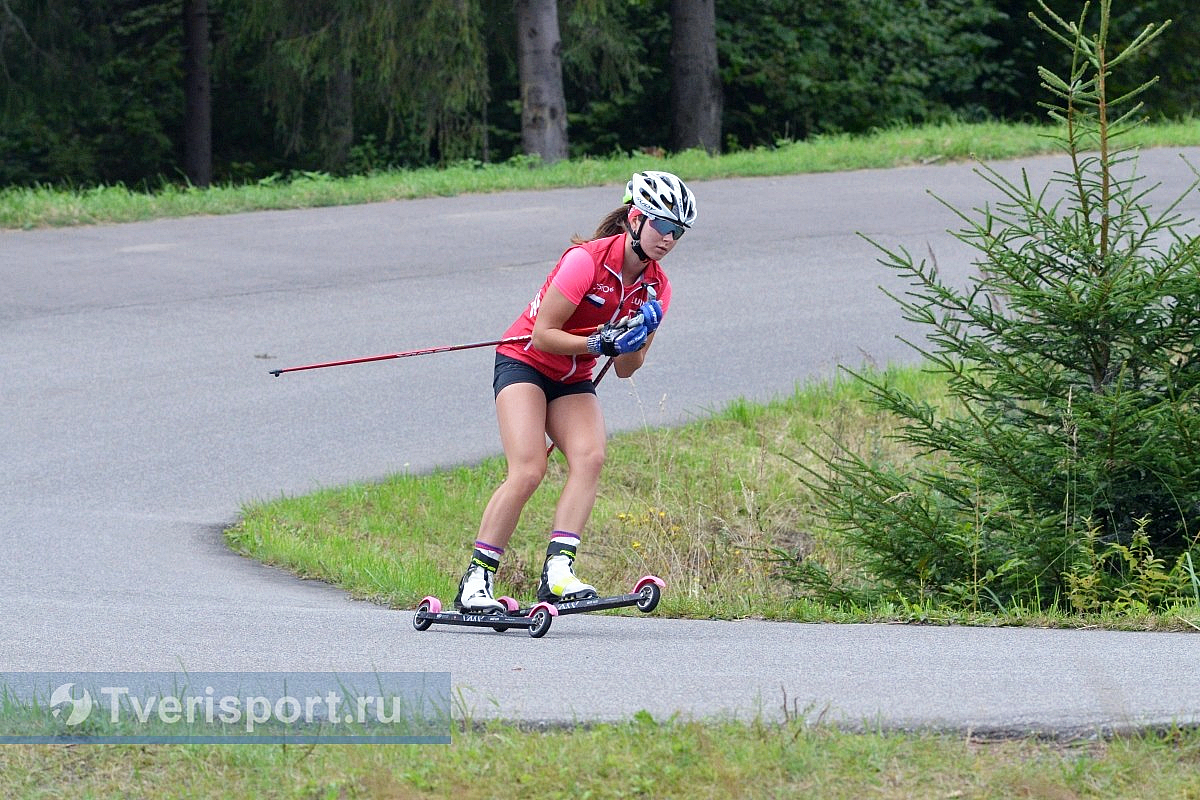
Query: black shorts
pixel 509 371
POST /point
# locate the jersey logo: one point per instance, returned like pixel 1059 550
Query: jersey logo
pixel 595 300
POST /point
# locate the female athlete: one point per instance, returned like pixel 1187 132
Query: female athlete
pixel 605 297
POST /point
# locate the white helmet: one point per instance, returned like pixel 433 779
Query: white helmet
pixel 662 195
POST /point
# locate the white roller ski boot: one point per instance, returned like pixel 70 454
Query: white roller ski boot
pixel 475 592
pixel 559 582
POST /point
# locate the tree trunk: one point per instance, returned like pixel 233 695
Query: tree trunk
pixel 539 57
pixel 338 133
pixel 197 92
pixel 696 98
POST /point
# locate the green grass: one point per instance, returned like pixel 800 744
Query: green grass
pixel 51 206
pixel 640 758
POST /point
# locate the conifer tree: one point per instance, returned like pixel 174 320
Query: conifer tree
pixel 1072 362
pixel 419 66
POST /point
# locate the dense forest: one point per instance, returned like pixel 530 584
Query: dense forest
pixel 145 91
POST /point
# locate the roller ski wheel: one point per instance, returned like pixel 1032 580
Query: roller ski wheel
pixel 536 620
pixel 649 590
pixel 511 606
pixel 542 616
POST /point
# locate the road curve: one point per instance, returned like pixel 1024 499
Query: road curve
pixel 139 416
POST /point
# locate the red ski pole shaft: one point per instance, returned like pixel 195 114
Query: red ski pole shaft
pixel 422 352
pixel 406 354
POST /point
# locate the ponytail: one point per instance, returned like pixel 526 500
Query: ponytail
pixel 611 225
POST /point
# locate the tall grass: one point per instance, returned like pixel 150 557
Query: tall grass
pixel 642 757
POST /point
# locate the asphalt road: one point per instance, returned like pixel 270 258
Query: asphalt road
pixel 138 416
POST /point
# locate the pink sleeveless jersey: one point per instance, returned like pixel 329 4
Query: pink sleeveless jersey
pixel 599 298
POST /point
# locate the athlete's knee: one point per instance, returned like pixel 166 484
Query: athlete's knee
pixel 525 478
pixel 588 459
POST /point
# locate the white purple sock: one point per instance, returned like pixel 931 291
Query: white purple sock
pixel 563 542
pixel 487 555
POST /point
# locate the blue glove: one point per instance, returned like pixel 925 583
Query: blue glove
pixel 615 341
pixel 652 314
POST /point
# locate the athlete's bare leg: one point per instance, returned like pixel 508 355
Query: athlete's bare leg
pixel 521 412
pixel 576 425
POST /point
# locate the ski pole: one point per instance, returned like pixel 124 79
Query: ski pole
pixel 624 322
pixel 406 354
pixel 595 382
pixel 628 321
pixel 425 351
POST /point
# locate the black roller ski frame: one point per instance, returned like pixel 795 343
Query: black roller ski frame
pixel 647 593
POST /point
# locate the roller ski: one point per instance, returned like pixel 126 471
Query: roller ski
pixel 475 607
pixel 646 594
pixel 536 619
pixel 561 588
pixel 559 592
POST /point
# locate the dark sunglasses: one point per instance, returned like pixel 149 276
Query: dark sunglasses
pixel 665 226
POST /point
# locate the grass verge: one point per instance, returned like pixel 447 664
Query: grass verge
pixel 53 206
pixel 639 758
